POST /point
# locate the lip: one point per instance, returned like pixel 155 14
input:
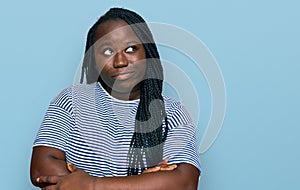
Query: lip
pixel 123 76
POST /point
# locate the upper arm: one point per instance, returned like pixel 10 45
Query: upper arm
pixel 48 156
pixel 47 161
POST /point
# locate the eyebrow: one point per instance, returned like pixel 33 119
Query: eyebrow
pixel 106 43
pixel 110 43
pixel 132 42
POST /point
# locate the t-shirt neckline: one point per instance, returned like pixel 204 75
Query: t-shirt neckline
pixel 113 98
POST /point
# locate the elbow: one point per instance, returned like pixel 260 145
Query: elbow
pixel 189 177
pixel 46 161
pixel 190 185
pixel 34 174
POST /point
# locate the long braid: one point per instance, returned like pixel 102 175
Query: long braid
pixel 149 135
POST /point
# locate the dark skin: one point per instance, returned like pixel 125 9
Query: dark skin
pixel 51 172
pixel 120 58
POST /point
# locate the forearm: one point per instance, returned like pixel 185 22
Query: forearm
pixel 178 179
pixel 43 163
pixel 50 166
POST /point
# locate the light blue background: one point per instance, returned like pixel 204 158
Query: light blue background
pixel 256 44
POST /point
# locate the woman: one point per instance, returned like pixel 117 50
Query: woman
pixel 117 131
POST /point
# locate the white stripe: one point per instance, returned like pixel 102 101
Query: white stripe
pixel 95 130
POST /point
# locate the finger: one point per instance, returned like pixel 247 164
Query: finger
pixel 149 170
pixel 71 167
pixel 48 179
pixel 154 169
pixel 165 161
pixel 169 167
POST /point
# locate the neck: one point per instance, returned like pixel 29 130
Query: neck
pixel 134 94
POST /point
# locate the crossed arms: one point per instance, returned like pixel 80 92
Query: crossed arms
pixel 50 171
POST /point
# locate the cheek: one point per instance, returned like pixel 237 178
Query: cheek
pixel 102 65
pixel 140 61
pixel 142 69
pixel 105 71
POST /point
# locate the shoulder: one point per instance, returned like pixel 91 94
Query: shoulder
pixel 177 114
pixel 66 97
pixel 171 103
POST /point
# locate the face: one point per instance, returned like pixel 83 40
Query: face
pixel 120 58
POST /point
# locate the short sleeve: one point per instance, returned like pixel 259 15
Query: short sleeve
pixel 57 122
pixel 181 145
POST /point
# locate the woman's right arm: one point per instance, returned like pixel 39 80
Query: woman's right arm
pixel 47 161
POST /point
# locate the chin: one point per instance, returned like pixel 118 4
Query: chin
pixel 122 90
pixel 124 86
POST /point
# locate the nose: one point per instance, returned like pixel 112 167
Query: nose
pixel 120 60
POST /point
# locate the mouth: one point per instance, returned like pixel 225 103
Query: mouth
pixel 123 76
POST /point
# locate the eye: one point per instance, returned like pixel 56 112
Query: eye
pixel 131 49
pixel 108 51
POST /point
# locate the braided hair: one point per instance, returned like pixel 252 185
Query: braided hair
pixel 149 134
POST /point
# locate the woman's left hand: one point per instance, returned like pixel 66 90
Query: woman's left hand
pixel 162 166
pixel 77 180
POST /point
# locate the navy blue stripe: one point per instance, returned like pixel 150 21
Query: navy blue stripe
pixel 95 130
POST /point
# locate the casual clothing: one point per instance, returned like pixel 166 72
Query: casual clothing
pixel 94 130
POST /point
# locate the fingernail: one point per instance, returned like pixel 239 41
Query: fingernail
pixel 38 179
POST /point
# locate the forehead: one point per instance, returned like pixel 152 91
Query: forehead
pixel 114 28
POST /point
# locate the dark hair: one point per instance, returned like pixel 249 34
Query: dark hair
pixel 149 135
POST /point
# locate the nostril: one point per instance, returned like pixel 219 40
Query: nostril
pixel 120 60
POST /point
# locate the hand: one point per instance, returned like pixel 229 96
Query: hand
pixel 162 166
pixel 77 180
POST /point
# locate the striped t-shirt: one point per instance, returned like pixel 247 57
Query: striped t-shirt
pixel 94 130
